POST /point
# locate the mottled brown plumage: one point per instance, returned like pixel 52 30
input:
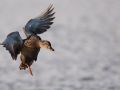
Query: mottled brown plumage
pixel 29 48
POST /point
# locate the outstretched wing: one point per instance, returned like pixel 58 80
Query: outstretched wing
pixel 13 44
pixel 40 24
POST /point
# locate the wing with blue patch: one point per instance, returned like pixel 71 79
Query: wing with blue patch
pixel 40 24
pixel 13 44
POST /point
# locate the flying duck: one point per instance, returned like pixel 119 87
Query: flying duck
pixel 29 48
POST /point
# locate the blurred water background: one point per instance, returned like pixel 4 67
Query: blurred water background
pixel 86 39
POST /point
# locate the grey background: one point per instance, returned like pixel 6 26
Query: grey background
pixel 86 39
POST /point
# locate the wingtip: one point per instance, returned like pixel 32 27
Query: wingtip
pixel 47 11
pixel 50 7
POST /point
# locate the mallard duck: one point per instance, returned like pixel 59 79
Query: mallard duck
pixel 29 48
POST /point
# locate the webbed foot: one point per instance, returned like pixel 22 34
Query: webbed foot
pixel 23 66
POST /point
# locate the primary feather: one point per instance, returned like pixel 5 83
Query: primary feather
pixel 40 24
pixel 13 44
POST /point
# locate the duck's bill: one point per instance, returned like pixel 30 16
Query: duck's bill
pixel 51 49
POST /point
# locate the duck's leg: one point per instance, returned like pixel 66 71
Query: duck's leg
pixel 25 65
pixel 29 66
pixel 22 65
pixel 30 70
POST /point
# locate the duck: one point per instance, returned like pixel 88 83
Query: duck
pixel 29 48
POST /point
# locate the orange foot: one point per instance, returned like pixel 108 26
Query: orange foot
pixel 30 70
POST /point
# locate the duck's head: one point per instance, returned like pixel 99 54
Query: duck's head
pixel 35 41
pixel 45 44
